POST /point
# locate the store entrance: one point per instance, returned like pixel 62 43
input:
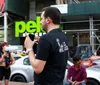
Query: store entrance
pixel 84 38
pixel 76 38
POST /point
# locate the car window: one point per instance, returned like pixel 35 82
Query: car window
pixel 26 61
pixel 16 58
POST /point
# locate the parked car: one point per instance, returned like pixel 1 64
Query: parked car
pixel 15 56
pixel 93 75
pixel 93 60
pixel 97 63
pixel 22 71
pixel 85 52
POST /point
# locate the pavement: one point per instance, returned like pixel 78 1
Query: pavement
pixel 19 83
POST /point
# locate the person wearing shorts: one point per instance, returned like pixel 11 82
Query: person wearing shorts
pixel 5 70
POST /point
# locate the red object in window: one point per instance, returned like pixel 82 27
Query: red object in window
pixel 2 1
pixel 87 63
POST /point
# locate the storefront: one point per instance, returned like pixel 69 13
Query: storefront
pixel 81 24
pixel 14 10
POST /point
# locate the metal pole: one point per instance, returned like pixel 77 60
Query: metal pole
pixel 79 21
pixel 91 33
pixel 5 26
pixel 78 39
pixel 79 30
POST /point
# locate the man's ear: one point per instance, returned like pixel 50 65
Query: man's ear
pixel 48 20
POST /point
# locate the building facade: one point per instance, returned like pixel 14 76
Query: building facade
pixel 81 24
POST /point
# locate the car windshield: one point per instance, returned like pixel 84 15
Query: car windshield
pixel 16 58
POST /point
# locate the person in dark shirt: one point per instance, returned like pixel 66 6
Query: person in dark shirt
pixel 50 61
pixel 76 74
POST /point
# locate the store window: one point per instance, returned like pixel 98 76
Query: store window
pixel 84 38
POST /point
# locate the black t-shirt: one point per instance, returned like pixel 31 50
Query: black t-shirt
pixel 53 49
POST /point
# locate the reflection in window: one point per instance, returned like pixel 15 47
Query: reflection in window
pixel 84 52
pixel 83 49
pixel 26 61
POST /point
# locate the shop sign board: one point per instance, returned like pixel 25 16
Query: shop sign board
pixel 29 27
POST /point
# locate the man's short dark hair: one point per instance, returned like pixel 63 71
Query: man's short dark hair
pixel 75 59
pixel 53 13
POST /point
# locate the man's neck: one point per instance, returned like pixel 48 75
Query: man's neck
pixel 77 67
pixel 51 27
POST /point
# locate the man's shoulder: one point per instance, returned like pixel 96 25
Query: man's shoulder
pixel 71 67
pixel 45 39
pixel 44 36
pixel 47 36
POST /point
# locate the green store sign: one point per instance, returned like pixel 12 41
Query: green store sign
pixel 29 27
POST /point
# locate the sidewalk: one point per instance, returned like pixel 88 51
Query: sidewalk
pixel 19 83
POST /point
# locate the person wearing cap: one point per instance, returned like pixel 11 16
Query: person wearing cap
pixel 5 61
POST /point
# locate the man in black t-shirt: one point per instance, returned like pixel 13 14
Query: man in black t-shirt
pixel 52 51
